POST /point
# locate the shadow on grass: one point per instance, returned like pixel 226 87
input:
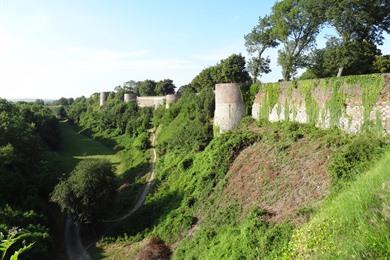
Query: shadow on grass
pixel 135 172
pixel 77 145
pixel 147 217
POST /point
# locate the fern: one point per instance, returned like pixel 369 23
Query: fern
pixel 20 251
pixel 6 244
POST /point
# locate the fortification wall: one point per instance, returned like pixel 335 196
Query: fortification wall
pixel 229 106
pixel 151 101
pixel 350 103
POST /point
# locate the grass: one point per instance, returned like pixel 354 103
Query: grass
pixel 76 147
pixel 354 225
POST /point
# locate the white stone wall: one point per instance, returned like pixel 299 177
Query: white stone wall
pixel 350 121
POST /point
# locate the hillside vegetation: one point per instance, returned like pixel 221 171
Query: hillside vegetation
pixel 244 194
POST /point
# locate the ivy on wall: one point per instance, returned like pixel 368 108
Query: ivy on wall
pixel 370 89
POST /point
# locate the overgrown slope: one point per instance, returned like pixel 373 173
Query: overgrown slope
pixel 246 195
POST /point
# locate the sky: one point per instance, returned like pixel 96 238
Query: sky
pixel 69 48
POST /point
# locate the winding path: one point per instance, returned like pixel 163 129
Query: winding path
pixel 74 247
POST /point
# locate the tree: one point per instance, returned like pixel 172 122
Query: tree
pixel 165 87
pixel 256 42
pixel 357 21
pixel 233 70
pixel 359 58
pixel 146 88
pixel 295 23
pixel 382 64
pixel 88 192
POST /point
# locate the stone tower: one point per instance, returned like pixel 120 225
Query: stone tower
pixel 229 106
pixel 103 98
pixel 127 97
pixel 170 99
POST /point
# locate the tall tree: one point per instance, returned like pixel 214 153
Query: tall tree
pixel 257 42
pixel 165 87
pixel 146 88
pixel 357 20
pixel 295 24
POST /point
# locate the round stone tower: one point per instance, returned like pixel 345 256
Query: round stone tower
pixel 127 97
pixel 170 99
pixel 229 106
pixel 103 98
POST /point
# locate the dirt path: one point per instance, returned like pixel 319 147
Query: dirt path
pixel 146 190
pixel 74 247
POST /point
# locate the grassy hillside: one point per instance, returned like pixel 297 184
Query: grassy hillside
pixel 354 225
pixel 247 194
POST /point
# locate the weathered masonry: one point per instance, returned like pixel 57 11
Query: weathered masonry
pixel 350 103
pixel 147 101
pixel 156 101
pixel 229 106
pixel 103 98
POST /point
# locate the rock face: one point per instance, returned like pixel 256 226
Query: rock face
pixel 349 103
pixel 229 106
pixel 127 97
pixel 103 98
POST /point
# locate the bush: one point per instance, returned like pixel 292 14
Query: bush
pixel 155 249
pixel 356 157
pixel 88 192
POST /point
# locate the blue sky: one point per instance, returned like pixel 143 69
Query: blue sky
pixel 50 49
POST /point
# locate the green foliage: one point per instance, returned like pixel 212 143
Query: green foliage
pixel 253 238
pixel 146 88
pixel 7 243
pixel 186 125
pixel 354 225
pixel 116 118
pixel 165 87
pixel 256 42
pixel 312 110
pixel 382 64
pixel 271 97
pixel 356 157
pixel 340 88
pixel 88 192
pixel 295 23
pixel 355 57
pixel 231 69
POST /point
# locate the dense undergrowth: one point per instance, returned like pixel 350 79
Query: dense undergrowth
pixel 29 136
pixel 184 208
pixel 354 225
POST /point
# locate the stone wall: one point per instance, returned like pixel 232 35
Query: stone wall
pixel 350 103
pixel 229 106
pixel 151 101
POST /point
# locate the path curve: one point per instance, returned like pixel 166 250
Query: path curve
pixel 146 190
pixel 74 247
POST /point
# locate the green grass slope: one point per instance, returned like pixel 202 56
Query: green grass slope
pixel 354 225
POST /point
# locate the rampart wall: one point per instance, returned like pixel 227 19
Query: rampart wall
pixel 350 103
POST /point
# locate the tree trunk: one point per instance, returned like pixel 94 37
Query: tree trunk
pixel 340 72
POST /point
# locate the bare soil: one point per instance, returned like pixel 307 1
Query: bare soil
pixel 283 182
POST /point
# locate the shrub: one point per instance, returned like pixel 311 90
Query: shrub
pixel 88 192
pixel 356 157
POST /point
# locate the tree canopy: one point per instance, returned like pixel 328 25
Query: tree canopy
pixel 88 192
